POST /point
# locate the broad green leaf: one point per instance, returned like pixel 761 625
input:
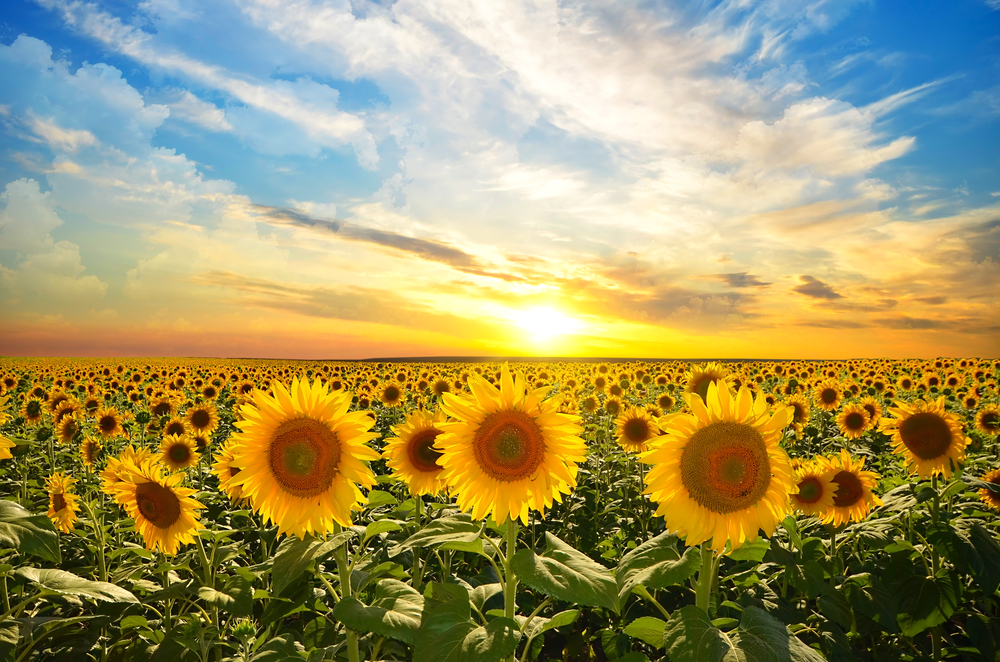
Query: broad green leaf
pixel 66 583
pixel 867 595
pixel 381 526
pixel 984 633
pixel 27 533
pixel 448 634
pixel 562 619
pixel 566 574
pixel 655 564
pixel 294 556
pixel 455 529
pixel 750 551
pixel 283 648
pixel 924 603
pixel 647 628
pixel 394 613
pixel 482 593
pixel 378 498
pixel 235 596
pixel 689 636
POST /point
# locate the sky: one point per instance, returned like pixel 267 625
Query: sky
pixel 359 178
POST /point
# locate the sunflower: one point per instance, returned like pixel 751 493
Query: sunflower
pixel 988 420
pixel 635 428
pixel 816 490
pixel 301 455
pixel 163 406
pixel 113 473
pixel 853 499
pixel 178 452
pixel 508 451
pixel 904 383
pixel 928 437
pixel 164 513
pixel 613 406
pixel 89 450
pixel 32 410
pixel 719 473
pixel 853 421
pixel 176 426
pixel 665 402
pixel 590 404
pixel 990 497
pixel 411 453
pixel 391 394
pixel 801 410
pixel 874 409
pixel 970 401
pixel 202 418
pixel 109 423
pixel 224 470
pixel 68 428
pixel 62 501
pixel 828 394
pixel 440 387
pixel 700 376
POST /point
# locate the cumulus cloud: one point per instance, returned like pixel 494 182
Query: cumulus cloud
pixel 185 106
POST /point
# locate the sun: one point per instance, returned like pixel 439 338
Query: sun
pixel 544 323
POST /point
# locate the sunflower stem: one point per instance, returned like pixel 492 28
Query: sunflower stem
pixel 510 578
pixel 345 592
pixel 705 578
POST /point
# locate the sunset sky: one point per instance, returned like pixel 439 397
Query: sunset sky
pixel 351 179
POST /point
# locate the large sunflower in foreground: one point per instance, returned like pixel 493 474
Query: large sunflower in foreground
pixel 411 454
pixel 164 513
pixel 928 437
pixel 62 501
pixel 301 456
pixel 700 376
pixel 507 451
pixel 115 471
pixel 853 498
pixel 719 473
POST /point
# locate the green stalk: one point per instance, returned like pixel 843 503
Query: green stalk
pixel 417 573
pixel 705 578
pixel 509 576
pixel 345 592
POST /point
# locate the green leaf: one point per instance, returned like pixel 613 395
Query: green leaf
pixel 394 613
pixel 984 633
pixel 294 556
pixel 66 583
pixel 455 529
pixel 562 619
pixel 480 594
pixel 566 574
pixel 378 498
pixel 655 564
pixel 647 628
pixel 448 634
pixel 27 533
pixel 750 551
pixel 690 637
pixel 234 596
pixel 381 526
pixel 924 603
pixel 130 622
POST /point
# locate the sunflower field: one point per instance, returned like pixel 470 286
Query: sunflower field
pixel 168 509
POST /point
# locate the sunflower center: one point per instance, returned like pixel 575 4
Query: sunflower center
pixel 870 409
pixel 391 394
pixel 304 457
pixel 174 428
pixel 828 396
pixel 58 502
pixel 701 386
pixel 200 418
pixel 158 504
pixel 990 420
pixel 799 413
pixel 179 453
pixel 161 408
pixel 725 467
pixel 810 490
pixel 509 445
pixel 107 423
pixel 849 489
pixel 926 434
pixel 636 429
pixel 33 409
pixel 421 452
pixel 854 421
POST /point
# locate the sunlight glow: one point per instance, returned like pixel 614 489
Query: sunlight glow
pixel 543 324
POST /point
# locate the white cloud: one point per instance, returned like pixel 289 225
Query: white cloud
pixel 186 106
pixel 47 270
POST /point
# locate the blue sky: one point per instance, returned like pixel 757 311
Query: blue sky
pixel 374 178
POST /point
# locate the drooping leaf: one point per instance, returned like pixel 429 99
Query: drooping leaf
pixel 27 533
pixel 395 612
pixel 234 595
pixel 294 556
pixel 66 583
pixel 689 636
pixel 456 529
pixel 566 574
pixel 924 603
pixel 541 625
pixel 647 628
pixel 655 564
pixel 448 634
pixel 751 551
